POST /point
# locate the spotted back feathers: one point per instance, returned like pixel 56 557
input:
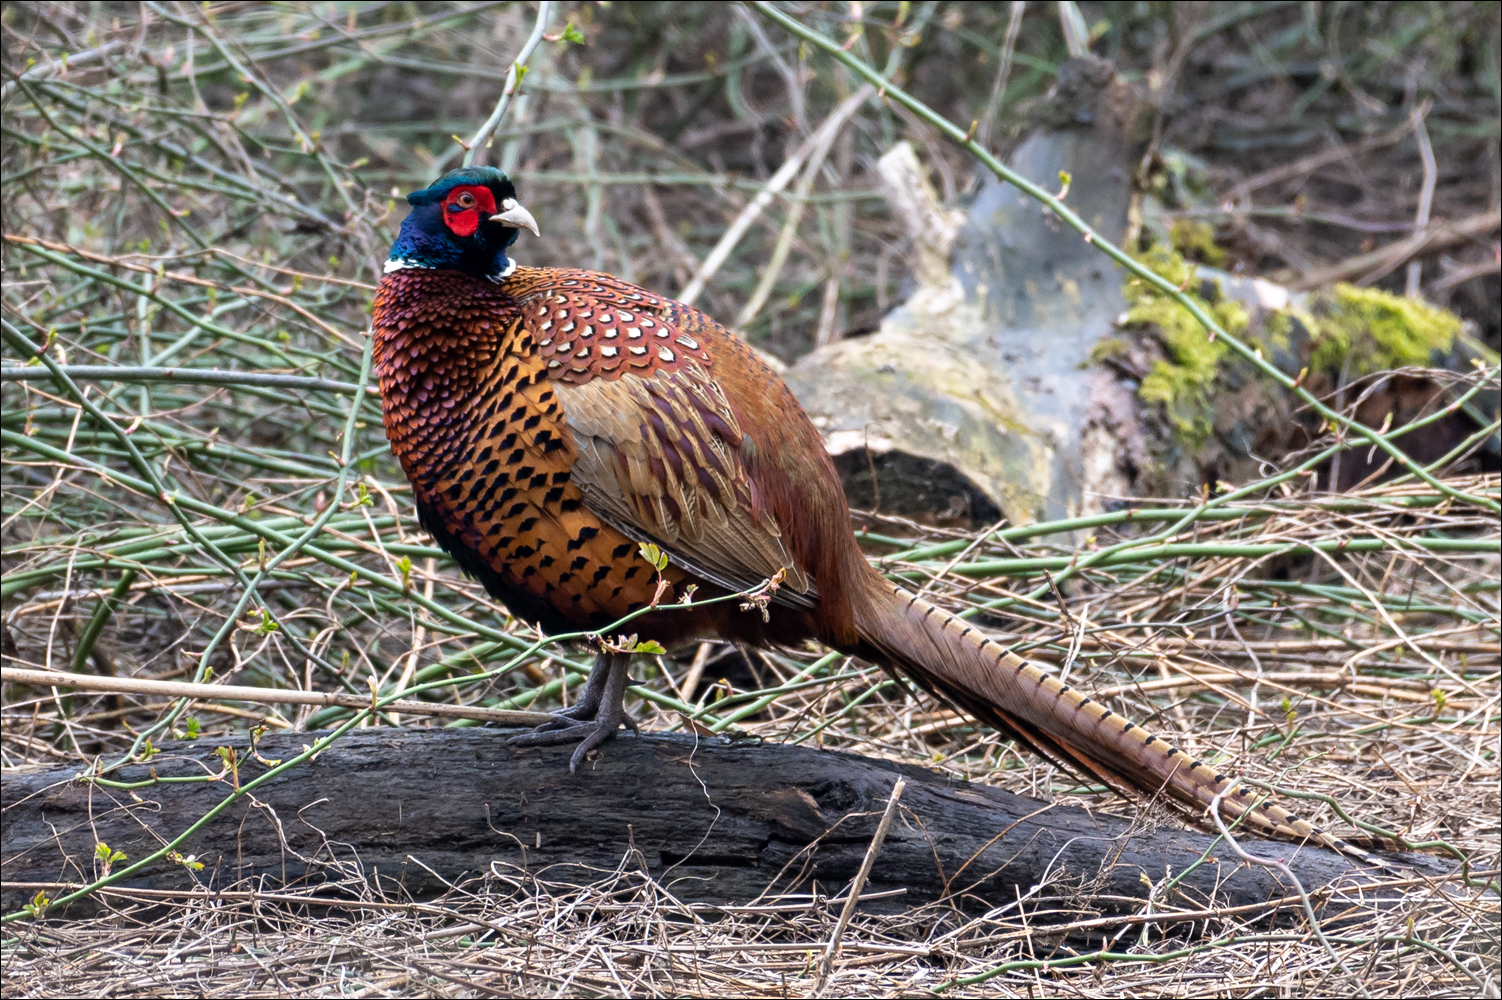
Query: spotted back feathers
pixel 592 326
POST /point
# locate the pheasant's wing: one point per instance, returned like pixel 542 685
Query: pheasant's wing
pixel 661 454
pixel 660 461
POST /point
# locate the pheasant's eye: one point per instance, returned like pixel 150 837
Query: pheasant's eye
pixel 464 210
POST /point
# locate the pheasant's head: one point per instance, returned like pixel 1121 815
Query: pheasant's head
pixel 464 222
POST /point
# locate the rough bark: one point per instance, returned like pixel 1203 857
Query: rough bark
pixel 717 821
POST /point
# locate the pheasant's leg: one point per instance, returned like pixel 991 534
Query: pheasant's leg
pixel 603 697
pixel 588 705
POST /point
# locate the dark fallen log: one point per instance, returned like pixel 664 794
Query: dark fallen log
pixel 716 821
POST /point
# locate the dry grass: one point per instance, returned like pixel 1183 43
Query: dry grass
pixel 509 935
pixel 1335 714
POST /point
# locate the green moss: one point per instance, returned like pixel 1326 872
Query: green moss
pixel 1195 240
pixel 1277 332
pixel 1111 347
pixel 1364 330
pixel 1182 382
pixel 1355 330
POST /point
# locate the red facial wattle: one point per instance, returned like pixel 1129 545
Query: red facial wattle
pixel 466 207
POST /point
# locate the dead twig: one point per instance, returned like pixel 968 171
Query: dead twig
pixel 821 138
pixel 1369 267
pixel 827 963
pixel 481 139
pixel 260 696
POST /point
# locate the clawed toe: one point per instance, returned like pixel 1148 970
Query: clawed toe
pixel 602 732
pixel 572 717
pixel 553 733
pixel 597 717
pixel 587 734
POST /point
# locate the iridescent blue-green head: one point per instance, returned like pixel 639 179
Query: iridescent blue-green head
pixel 465 221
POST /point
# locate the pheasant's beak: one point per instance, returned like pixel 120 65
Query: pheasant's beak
pixel 516 217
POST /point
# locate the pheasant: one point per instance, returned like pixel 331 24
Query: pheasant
pixel 551 420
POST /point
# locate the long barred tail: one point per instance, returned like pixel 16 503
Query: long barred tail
pixel 958 663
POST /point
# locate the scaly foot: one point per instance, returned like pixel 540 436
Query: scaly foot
pixel 598 715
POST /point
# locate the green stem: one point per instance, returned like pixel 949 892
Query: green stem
pixel 101 615
pixel 1021 567
pixel 1149 515
pixel 104 277
pixel 184 376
